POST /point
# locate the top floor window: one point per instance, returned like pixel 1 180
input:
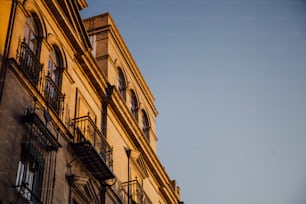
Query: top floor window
pixel 92 39
pixel 145 125
pixel 33 34
pixel 121 83
pixel 29 52
pixel 134 105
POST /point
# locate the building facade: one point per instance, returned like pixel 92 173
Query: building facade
pixel 77 119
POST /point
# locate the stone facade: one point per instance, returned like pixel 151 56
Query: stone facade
pixel 77 120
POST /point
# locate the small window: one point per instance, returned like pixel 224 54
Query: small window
pixel 145 125
pixel 121 84
pixel 134 105
pixel 93 42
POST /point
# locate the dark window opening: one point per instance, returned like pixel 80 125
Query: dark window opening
pixel 121 84
pixel 145 125
pixel 134 105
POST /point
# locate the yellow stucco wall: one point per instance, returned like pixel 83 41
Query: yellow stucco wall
pixel 4 19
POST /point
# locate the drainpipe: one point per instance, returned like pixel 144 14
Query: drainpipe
pixel 128 153
pixel 70 179
pixel 7 46
pixel 75 112
pixel 109 91
pixel 104 119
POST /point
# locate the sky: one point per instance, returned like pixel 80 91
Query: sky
pixel 229 80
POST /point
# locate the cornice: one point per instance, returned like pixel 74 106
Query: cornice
pixel 82 4
pixel 67 29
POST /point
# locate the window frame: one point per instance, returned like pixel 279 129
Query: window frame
pixel 29 178
pixel 145 124
pixel 55 66
pixel 121 83
pixel 36 167
pixel 134 104
pixel 33 33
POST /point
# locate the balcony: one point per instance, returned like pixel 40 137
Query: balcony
pixel 29 64
pixel 32 68
pixel 137 194
pixel 53 95
pixel 91 147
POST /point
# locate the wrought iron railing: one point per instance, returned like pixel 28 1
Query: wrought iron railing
pixel 53 95
pixel 137 193
pixel 36 168
pixel 32 68
pixel 84 129
pixel 29 63
pixel 27 194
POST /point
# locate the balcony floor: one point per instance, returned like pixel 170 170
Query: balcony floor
pixel 93 161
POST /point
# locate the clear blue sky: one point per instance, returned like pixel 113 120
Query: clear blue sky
pixel 229 78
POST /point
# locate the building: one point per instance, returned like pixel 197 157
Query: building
pixel 77 119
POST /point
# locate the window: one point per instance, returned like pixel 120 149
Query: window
pixel 53 85
pixel 145 125
pixel 55 66
pixel 30 49
pixel 93 42
pixel 30 173
pixel 134 105
pixel 32 33
pixel 36 168
pixel 121 84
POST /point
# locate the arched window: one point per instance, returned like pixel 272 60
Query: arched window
pixel 121 84
pixel 30 49
pixel 54 80
pixel 33 34
pixel 55 67
pixel 145 125
pixel 134 105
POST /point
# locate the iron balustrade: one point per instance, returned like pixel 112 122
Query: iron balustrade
pixel 27 194
pixel 36 168
pixel 137 193
pixel 84 129
pixel 29 63
pixel 53 95
pixel 32 69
